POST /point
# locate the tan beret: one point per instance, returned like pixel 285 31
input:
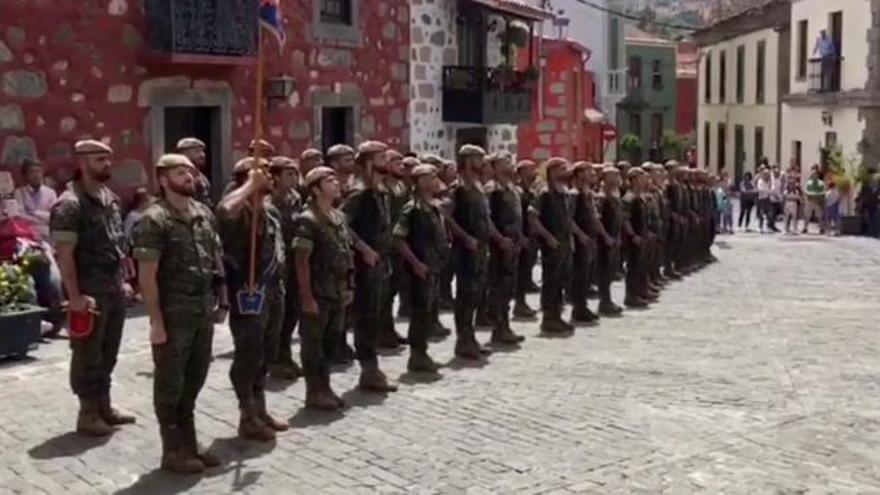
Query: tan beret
pixel 338 150
pixel 581 165
pixel 499 156
pixel 634 172
pixel 555 162
pixel 393 155
pixel 264 145
pixel 310 154
pixel 317 174
pixel 411 162
pixel 432 159
pixel 623 164
pixel 449 164
pixel 173 160
pixel 190 143
pixel 599 167
pixel 525 164
pixel 372 147
pixel 672 164
pixel 245 164
pixel 423 169
pixel 610 170
pixel 91 147
pixel 471 150
pixel 283 163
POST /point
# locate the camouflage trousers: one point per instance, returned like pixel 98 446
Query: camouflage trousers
pixel 503 267
pixel 181 363
pixel 607 264
pixel 255 338
pixel 319 335
pixel 288 324
pixel 425 298
pixel 370 293
pixel 471 269
pixel 556 273
pixel 583 268
pixel 94 357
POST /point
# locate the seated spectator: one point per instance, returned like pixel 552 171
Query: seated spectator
pixel 19 240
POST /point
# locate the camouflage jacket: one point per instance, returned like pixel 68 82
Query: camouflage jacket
pixel 329 245
pixel 93 223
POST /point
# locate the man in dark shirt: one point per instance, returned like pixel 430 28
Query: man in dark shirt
pixel 526 171
pixel 636 232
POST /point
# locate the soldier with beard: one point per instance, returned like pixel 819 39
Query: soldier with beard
pixel 527 172
pixel 340 157
pixel 86 227
pixel 368 214
pixel 398 193
pixel 550 216
pixel 194 150
pixel 468 218
pixel 257 311
pixel 506 231
pixel 180 276
pixel 287 200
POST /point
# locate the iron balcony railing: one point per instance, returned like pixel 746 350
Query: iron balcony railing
pixel 223 28
pixel 825 74
pixel 483 95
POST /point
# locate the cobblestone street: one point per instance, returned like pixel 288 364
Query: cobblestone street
pixel 757 375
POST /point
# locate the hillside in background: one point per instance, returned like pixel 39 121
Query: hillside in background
pixel 686 13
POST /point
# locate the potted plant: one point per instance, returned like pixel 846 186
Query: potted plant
pixel 631 145
pixel 847 178
pixel 20 318
pixel 671 144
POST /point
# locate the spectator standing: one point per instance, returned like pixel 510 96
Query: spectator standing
pixel 777 195
pixel 869 204
pixel 815 191
pixel 766 218
pixel 792 206
pixel 35 198
pixel 748 197
pixel 832 209
pixel 827 52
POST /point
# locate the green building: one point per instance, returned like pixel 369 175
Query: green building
pixel 649 108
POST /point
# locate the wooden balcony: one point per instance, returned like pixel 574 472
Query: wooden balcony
pixel 478 95
pixel 202 31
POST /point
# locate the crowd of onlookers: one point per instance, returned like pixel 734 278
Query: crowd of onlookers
pixel 784 202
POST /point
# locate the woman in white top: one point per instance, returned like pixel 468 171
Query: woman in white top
pixel 766 216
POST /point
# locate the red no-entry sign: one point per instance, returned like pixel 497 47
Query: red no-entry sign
pixel 609 133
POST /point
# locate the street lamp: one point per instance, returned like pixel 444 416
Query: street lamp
pixel 279 87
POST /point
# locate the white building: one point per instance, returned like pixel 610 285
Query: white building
pixel 827 109
pixel 458 94
pixel 742 79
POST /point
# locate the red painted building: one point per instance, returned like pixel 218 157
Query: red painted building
pixel 687 59
pixel 138 75
pixel 564 120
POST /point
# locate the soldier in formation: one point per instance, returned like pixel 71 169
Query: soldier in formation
pixel 333 247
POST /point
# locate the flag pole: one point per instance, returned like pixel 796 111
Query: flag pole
pixel 258 136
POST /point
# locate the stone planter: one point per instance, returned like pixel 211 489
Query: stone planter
pixel 19 330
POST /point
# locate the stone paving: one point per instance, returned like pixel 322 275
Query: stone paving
pixel 757 375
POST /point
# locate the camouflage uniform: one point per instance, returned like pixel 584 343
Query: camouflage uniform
pixel 636 274
pixel 608 256
pixel 585 217
pixel 186 246
pixel 255 336
pixel 554 210
pixel 505 209
pixel 328 243
pixel 288 206
pixel 93 223
pixel 368 214
pixel 470 209
pixel 422 227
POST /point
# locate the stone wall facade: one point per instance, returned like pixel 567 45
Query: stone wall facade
pixel 434 44
pixel 73 70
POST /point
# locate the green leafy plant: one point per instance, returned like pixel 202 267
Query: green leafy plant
pixel 847 175
pixel 672 144
pixel 631 145
pixel 15 288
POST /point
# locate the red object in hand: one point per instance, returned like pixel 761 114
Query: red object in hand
pixel 80 324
